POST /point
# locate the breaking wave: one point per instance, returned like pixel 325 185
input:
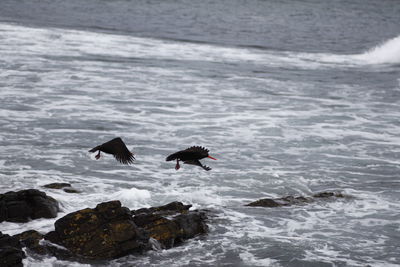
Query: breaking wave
pixel 386 53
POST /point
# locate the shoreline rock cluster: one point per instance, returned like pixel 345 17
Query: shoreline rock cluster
pixel 291 200
pixel 105 232
pixel 109 230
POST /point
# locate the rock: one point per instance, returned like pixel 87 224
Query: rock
pixel 71 190
pixel 290 200
pixel 11 253
pixel 172 223
pixel 7 240
pixel 109 231
pixel 173 207
pixel 65 186
pixel 191 224
pixel 105 232
pixel 27 204
pixel 35 243
pixel 31 240
pixel 279 202
pixel 57 185
pixel 329 194
pixel 265 202
pixel 12 257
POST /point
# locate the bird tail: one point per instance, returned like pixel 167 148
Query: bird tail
pixel 171 157
pixel 94 149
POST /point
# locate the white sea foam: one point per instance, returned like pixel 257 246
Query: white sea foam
pixel 386 53
pixel 80 43
pixel 250 259
pixel 50 262
pixel 133 198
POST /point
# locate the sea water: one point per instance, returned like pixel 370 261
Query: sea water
pixel 291 97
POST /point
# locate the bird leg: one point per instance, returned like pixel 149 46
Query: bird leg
pixel 177 166
pixel 98 155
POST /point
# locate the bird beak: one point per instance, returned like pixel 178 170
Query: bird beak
pixel 212 158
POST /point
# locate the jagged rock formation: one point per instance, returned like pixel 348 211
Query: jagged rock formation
pixel 105 232
pixel 172 223
pixel 110 231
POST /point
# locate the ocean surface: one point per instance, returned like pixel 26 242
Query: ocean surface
pixel 291 97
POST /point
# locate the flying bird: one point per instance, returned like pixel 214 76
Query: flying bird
pixel 117 148
pixel 191 155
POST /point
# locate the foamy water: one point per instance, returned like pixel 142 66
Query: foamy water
pixel 385 53
pixel 278 122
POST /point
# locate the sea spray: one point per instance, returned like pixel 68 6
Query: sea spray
pixel 385 53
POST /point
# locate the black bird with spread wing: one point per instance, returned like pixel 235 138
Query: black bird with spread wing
pixel 117 148
pixel 191 155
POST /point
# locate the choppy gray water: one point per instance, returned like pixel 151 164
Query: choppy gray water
pixel 291 97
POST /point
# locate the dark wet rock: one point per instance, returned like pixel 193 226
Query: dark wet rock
pixel 265 202
pixel 36 245
pixel 31 240
pixel 12 257
pixel 11 254
pixel 64 186
pixel 191 224
pixel 105 232
pixel 71 190
pixel 172 223
pixel 7 240
pixel 279 202
pixel 109 231
pixel 170 208
pixel 57 185
pixel 291 200
pixel 27 204
pixel 172 231
pixel 329 194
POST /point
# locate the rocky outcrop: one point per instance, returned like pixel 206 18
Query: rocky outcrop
pixel 28 204
pixel 105 232
pixel 291 200
pixel 110 231
pixel 11 254
pixel 66 187
pixel 172 223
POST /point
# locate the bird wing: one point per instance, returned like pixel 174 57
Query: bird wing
pixel 121 152
pixel 198 149
pixel 118 149
pixel 197 163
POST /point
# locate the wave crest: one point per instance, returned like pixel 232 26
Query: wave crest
pixel 386 53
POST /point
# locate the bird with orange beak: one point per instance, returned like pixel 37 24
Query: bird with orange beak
pixel 191 155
